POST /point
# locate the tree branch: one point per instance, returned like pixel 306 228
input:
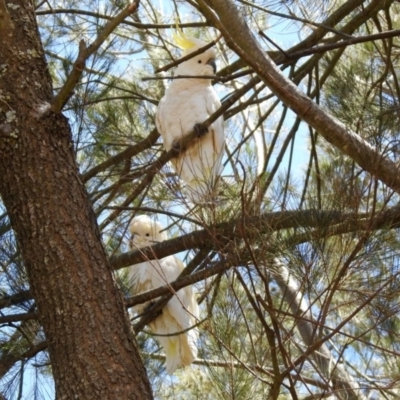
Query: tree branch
pixel 12 358
pixel 328 222
pixel 18 317
pixel 84 53
pixel 342 43
pixel 188 57
pixel 129 152
pixel 342 382
pixel 254 226
pixel 138 25
pixel 10 300
pixel 240 39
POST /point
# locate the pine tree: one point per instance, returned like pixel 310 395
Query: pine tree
pixel 295 265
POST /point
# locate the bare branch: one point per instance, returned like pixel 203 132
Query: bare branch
pixel 8 301
pixel 84 53
pixel 240 39
pixel 138 25
pixel 252 227
pixel 189 56
pixel 343 43
pixel 18 317
pixel 12 358
pixel 129 152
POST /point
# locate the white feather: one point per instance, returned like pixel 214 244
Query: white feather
pixel 181 312
pixel 188 102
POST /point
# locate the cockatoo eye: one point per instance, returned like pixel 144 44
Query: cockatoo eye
pixel 147 234
pixel 199 61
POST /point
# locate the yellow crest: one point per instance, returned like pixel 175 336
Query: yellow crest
pixel 181 40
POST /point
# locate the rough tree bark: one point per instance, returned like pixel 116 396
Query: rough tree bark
pixel 91 346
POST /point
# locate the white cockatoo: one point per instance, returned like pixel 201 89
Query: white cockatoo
pixel 187 103
pixel 181 312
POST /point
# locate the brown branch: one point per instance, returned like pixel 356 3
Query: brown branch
pixel 255 226
pixel 240 39
pixel 138 25
pixel 129 152
pixel 157 307
pixel 189 56
pixel 342 43
pixel 328 222
pixel 215 78
pixel 11 359
pixel 160 78
pixel 10 300
pixel 18 317
pixel 84 53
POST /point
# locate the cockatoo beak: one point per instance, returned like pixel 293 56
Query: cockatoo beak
pixel 211 62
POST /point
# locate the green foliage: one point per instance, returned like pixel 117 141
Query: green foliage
pixel 342 257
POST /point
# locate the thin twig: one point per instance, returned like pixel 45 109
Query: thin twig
pixel 156 308
pixel 274 44
pixel 84 53
pixel 343 43
pixel 189 56
pixel 137 25
pixel 217 78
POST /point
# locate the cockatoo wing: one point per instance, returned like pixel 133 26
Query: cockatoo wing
pixel 188 102
pixel 181 312
pixel 178 112
pixel 178 315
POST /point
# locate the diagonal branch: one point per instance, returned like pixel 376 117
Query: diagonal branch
pixel 157 307
pixel 84 53
pixel 129 152
pixel 343 383
pixel 240 39
pixel 189 56
pixel 10 300
pixel 337 45
pixel 7 362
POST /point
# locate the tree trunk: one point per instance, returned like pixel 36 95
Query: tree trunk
pixel 92 349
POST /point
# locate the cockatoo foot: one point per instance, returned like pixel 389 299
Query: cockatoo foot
pixel 200 130
pixel 148 307
pixel 176 147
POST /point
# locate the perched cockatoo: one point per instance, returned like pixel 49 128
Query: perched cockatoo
pixel 182 310
pixel 186 104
